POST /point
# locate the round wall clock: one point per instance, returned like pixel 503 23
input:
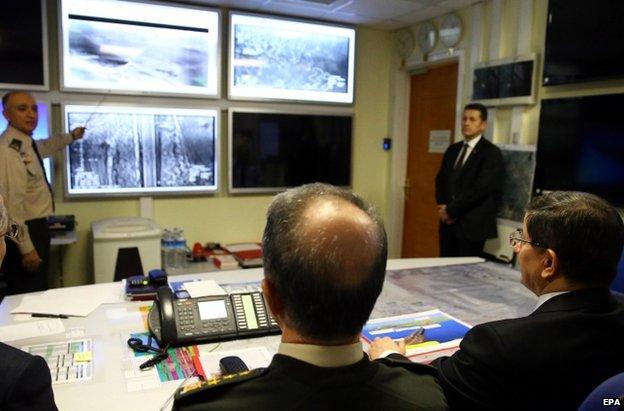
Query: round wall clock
pixel 451 30
pixel 427 36
pixel 404 41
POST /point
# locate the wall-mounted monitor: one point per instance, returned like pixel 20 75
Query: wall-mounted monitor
pixel 583 41
pixel 282 59
pixel 581 146
pixel 505 81
pixel 133 151
pixel 42 132
pixel 128 47
pixel 23 45
pixel 271 151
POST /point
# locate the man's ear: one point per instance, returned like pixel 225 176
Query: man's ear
pixel 276 305
pixel 551 265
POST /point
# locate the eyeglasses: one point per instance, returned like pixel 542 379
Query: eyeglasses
pixel 516 239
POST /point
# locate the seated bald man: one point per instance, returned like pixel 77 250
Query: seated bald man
pixel 324 261
pixel 25 382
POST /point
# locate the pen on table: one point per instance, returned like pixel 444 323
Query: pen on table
pixel 416 337
pixel 41 315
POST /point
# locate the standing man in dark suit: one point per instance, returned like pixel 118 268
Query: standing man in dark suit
pixel 468 188
pixel 552 359
pixel 324 262
pixel 25 381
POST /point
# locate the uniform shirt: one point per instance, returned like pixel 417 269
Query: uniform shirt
pixel 324 355
pixel 23 182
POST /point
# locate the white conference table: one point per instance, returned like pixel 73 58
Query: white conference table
pixel 109 327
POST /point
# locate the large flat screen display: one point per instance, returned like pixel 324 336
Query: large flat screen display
pixel 23 45
pixel 141 150
pixel 41 132
pixel 132 47
pixel 281 59
pixel 583 41
pixel 272 151
pixel 581 146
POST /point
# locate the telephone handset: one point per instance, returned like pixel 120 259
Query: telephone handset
pixel 188 320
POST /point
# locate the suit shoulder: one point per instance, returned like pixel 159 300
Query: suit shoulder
pixel 399 361
pixel 205 390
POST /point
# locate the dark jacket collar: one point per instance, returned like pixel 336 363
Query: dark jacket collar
pixel 587 298
pixel 307 373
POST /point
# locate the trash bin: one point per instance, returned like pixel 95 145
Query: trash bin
pixel 112 234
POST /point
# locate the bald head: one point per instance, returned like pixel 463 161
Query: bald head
pixel 330 227
pixel 20 110
pixel 325 252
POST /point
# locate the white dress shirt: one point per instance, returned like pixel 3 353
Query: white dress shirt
pixel 324 355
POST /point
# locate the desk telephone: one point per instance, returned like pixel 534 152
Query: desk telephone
pixel 190 320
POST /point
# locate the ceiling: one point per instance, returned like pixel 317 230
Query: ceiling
pixel 378 14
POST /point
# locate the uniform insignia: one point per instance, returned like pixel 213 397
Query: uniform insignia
pixel 16 144
pixel 199 390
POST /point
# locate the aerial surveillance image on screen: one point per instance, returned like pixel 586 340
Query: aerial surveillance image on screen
pixel 130 150
pixel 139 47
pixel 284 59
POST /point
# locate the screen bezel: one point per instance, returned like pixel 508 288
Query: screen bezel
pixel 269 94
pixel 46 68
pixel 510 101
pixel 269 190
pixel 148 3
pixel 148 192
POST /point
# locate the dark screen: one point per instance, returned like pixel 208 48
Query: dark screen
pixel 516 79
pixel 21 48
pixel 584 41
pixel 287 150
pixel 486 83
pixel 581 146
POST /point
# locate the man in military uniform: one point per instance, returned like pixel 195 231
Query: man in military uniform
pixel 28 194
pixel 325 255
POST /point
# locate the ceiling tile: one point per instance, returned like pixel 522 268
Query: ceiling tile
pixel 390 25
pixel 293 10
pixel 421 15
pixel 351 18
pixel 453 5
pixel 383 10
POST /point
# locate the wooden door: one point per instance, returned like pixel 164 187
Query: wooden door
pixel 432 107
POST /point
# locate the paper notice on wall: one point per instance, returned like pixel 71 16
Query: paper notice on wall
pixel 439 140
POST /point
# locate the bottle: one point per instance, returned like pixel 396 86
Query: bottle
pixel 180 248
pixel 170 258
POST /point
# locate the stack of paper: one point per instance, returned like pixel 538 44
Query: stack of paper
pixel 443 333
pixel 71 301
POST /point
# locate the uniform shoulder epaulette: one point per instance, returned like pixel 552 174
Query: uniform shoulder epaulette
pixel 16 144
pixel 400 361
pixel 201 390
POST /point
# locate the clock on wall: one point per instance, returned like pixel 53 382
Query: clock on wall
pixel 404 41
pixel 450 30
pixel 427 36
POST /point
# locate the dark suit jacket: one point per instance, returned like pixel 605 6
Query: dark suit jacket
pixel 290 384
pixel 549 360
pixel 25 382
pixel 472 194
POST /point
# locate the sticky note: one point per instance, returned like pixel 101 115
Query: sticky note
pixel 85 356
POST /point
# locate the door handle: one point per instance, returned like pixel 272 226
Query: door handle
pixel 406 189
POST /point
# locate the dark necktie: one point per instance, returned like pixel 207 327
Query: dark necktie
pixel 462 157
pixel 45 176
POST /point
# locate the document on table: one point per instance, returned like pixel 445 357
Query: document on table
pixel 69 361
pixel 203 288
pixel 72 301
pixel 31 329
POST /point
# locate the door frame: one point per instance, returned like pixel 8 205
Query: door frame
pixel 401 89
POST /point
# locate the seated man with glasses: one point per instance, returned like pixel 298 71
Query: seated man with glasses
pixel 568 253
pixel 25 382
